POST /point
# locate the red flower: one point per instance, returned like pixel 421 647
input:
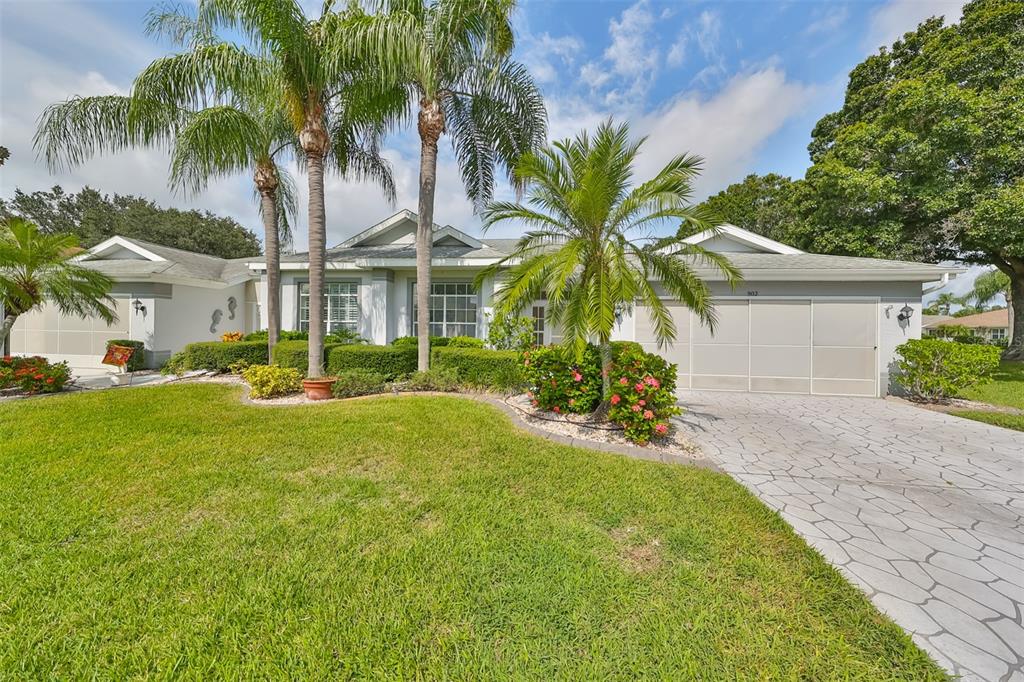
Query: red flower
pixel 643 402
pixel 50 380
pixel 556 409
pixel 535 403
pixel 616 399
pixel 38 376
pixel 648 414
pixel 635 408
pixel 623 381
pixel 639 388
pixel 661 428
pixel 576 376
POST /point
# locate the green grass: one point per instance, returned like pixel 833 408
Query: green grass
pixel 1006 389
pixel 176 532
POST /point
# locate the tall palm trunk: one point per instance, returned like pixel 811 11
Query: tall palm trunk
pixel 5 332
pixel 314 140
pixel 266 184
pixel 431 126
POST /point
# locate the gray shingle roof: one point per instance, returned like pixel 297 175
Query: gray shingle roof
pixel 493 248
pixel 177 263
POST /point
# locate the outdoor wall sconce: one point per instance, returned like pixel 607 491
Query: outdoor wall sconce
pixel 138 307
pixel 906 312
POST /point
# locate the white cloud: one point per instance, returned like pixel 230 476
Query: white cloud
pixel 890 21
pixel 707 33
pixel 829 22
pixel 677 51
pixel 631 52
pixel 546 55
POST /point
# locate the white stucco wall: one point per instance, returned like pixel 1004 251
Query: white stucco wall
pixel 186 317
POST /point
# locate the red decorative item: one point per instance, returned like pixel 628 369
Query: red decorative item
pixel 118 356
pixel 318 389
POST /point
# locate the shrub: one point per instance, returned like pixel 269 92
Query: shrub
pixel 407 341
pixel 343 336
pixel 33 374
pixel 295 354
pixel 216 355
pixel 619 347
pixel 356 382
pixel 138 359
pixel 465 342
pixel 283 335
pixel 269 381
pixel 435 379
pixel 561 382
pixel 391 361
pixel 643 394
pixel 230 337
pixel 500 370
pixel 510 333
pixel 933 369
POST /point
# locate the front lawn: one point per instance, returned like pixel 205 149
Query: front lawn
pixel 1006 389
pixel 174 531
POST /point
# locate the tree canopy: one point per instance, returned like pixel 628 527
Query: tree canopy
pixel 93 217
pixel 765 204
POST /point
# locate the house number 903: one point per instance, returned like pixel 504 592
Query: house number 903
pixel 752 293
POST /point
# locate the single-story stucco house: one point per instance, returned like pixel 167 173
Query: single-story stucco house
pixel 991 325
pixel 798 323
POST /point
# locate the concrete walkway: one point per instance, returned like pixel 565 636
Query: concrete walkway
pixel 922 510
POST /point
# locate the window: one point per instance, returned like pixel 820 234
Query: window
pixel 538 325
pixel 341 306
pixel 998 334
pixel 453 309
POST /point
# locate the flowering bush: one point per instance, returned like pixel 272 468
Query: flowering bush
pixel 268 381
pixel 231 336
pixel 560 382
pixel 33 374
pixel 643 394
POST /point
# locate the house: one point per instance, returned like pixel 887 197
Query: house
pixel 991 325
pixel 798 323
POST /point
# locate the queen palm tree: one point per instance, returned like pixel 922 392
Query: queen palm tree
pixel 452 58
pixel 588 220
pixel 213 142
pixel 36 268
pixel 336 111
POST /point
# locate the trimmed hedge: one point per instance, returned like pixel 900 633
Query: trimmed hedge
pixel 500 369
pixel 138 359
pixel 391 361
pixel 218 355
pixel 413 341
pixel 295 354
pixel 933 369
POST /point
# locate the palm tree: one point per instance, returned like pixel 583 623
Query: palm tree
pixel 945 302
pixel 452 58
pixel 987 286
pixel 335 109
pixel 587 218
pixel 36 268
pixel 213 142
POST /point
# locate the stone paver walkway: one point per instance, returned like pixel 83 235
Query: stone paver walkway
pixel 922 510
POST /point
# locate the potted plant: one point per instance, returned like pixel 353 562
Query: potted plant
pixel 318 388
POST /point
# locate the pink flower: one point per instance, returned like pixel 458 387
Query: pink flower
pixel 648 414
pixel 655 383
pixel 649 380
pixel 526 362
pixel 623 381
pixel 661 428
pixel 616 399
pixel 535 403
pixel 639 388
pixel 643 402
pixel 557 409
pixel 572 401
pixel 635 408
pixel 576 376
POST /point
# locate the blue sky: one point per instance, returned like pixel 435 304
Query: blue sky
pixel 741 83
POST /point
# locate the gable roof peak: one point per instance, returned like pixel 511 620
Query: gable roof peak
pixel 405 215
pixel 746 237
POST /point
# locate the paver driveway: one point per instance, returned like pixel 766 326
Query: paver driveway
pixel 922 510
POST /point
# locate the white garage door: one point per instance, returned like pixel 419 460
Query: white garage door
pixel 825 347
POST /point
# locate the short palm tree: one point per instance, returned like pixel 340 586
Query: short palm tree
pixel 987 286
pixel 944 303
pixel 452 58
pixel 37 268
pixel 336 110
pixel 587 220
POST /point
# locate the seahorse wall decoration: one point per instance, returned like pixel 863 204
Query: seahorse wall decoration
pixel 232 306
pixel 215 320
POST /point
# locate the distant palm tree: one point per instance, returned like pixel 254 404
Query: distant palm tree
pixel 452 57
pixel 336 109
pixel 37 268
pixel 587 216
pixel 987 286
pixel 945 302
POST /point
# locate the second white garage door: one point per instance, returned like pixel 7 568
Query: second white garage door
pixel 826 347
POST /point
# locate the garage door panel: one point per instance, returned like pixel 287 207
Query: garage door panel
pixel 780 361
pixel 720 360
pixel 779 385
pixel 720 383
pixel 75 343
pixel 780 323
pixel 676 353
pixel 644 326
pixel 844 363
pixel 732 327
pixel 844 323
pixel 865 387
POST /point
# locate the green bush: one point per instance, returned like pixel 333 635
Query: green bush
pixel 343 336
pixel 391 361
pixel 500 370
pixel 357 382
pixel 295 354
pixel 138 359
pixel 619 347
pixel 269 381
pixel 933 369
pixel 465 342
pixel 283 335
pixel 643 393
pixel 217 356
pixel 435 379
pixel 510 333
pixel 412 341
pixel 561 382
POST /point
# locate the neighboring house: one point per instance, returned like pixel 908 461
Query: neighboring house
pixel 799 323
pixel 991 325
pixel 165 297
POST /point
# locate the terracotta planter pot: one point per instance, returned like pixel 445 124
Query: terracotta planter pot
pixel 318 389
